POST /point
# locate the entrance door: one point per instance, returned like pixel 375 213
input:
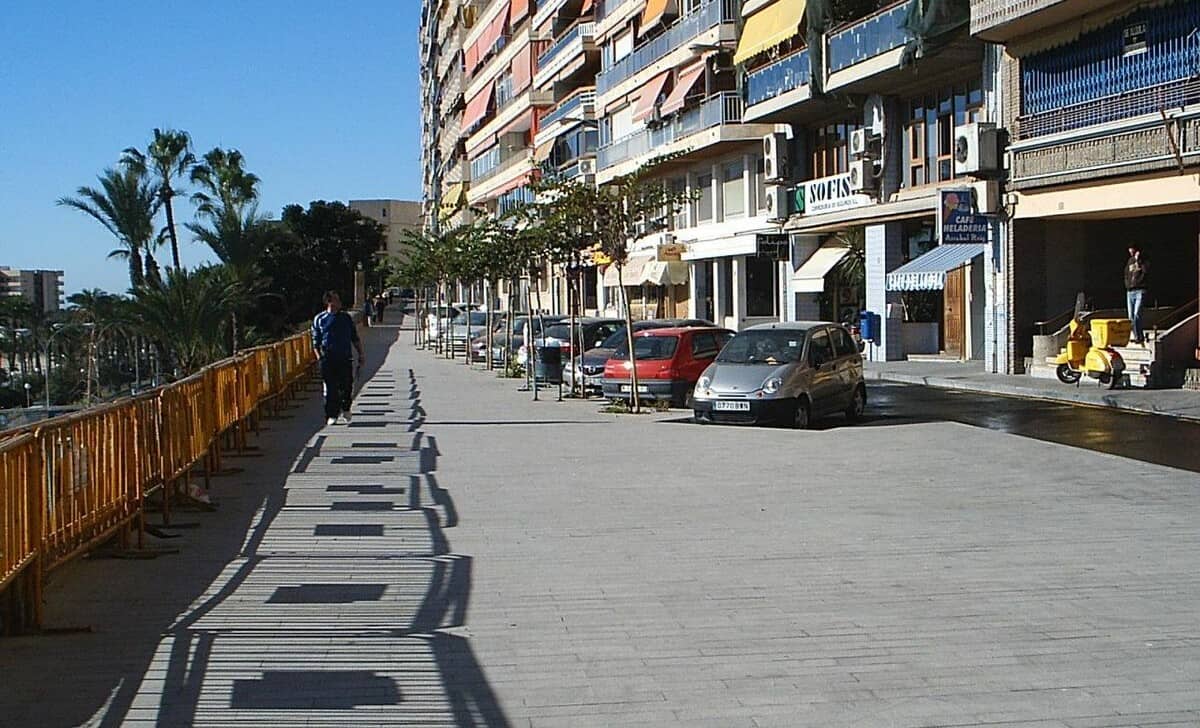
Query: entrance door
pixel 954 331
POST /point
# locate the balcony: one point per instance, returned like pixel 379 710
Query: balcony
pixel 718 110
pixel 867 38
pixel 999 21
pixel 492 164
pixel 712 14
pixel 580 105
pixel 574 43
pixel 772 81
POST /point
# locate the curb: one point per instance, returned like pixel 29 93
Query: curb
pixel 1008 390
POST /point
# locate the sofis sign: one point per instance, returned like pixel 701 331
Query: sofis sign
pixel 829 194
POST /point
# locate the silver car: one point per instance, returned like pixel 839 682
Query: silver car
pixel 790 373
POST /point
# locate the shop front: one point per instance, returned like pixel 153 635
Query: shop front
pixel 654 280
pixel 738 281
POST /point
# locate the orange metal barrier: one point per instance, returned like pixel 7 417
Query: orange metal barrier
pixel 70 482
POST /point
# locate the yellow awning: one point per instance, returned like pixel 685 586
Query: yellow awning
pixel 769 27
pixel 454 198
pixel 654 13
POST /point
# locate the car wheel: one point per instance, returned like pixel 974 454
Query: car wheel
pixel 803 417
pixel 858 404
pixel 698 418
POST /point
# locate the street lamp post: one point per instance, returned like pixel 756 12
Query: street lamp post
pixel 28 396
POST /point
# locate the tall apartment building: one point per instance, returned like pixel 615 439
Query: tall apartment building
pixel 980 161
pixel 396 217
pixel 41 288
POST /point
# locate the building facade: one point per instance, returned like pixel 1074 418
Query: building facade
pixel 961 168
pixel 397 217
pixel 1103 126
pixel 43 289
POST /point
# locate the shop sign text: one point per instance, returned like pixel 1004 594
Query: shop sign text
pixel 957 219
pixel 829 194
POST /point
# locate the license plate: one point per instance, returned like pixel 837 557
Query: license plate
pixel 593 381
pixel 732 405
pixel 629 388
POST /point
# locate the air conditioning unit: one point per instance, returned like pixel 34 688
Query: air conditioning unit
pixel 776 203
pixel 862 175
pixel 976 149
pixel 777 166
pixel 587 166
pixel 860 143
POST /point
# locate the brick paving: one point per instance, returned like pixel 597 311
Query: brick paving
pixel 463 556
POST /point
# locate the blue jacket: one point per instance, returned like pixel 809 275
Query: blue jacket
pixel 333 334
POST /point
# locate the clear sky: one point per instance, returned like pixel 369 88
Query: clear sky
pixel 322 98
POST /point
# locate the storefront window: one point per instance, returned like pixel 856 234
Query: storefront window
pixel 726 283
pixel 704 198
pixel 704 289
pixel 830 149
pixel 762 283
pixel 929 132
pixel 733 190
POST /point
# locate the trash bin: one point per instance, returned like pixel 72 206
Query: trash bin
pixel 549 365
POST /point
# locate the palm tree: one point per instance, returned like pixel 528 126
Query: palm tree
pixel 238 240
pixel 184 315
pixel 225 184
pixel 170 153
pixel 125 205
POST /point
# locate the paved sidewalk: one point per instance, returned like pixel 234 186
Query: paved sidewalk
pixel 1181 403
pixel 462 556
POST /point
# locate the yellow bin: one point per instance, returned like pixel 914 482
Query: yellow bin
pixel 1111 332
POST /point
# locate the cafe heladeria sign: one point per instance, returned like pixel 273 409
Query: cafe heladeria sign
pixel 958 222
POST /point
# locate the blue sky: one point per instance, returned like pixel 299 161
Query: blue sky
pixel 320 97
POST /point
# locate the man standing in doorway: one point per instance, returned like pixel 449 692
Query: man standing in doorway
pixel 333 333
pixel 1135 290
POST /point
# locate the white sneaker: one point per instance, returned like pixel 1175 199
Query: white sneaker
pixel 331 421
pixel 346 417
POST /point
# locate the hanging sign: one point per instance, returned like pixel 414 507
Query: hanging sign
pixel 957 220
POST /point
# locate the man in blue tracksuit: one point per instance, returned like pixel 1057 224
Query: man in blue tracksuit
pixel 333 333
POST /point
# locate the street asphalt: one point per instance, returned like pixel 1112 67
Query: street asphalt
pixel 463 556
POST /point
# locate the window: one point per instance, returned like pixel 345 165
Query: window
pixel 762 282
pixel 929 133
pixel 383 212
pixel 622 45
pixel 733 190
pixel 820 350
pixel 842 343
pixel 760 185
pixel 830 148
pixel 704 345
pixel 678 217
pixel 704 198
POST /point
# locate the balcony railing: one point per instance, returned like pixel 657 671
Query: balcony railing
pixel 1173 95
pixel 578 33
pixel 712 14
pixel 778 78
pixel 484 172
pixel 718 110
pixel 988 14
pixel 869 37
pixel 571 107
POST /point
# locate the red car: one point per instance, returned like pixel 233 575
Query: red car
pixel 669 361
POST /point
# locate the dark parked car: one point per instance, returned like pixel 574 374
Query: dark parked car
pixel 587 329
pixel 669 361
pixel 510 336
pixel 790 373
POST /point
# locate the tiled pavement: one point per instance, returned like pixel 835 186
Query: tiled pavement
pixel 463 556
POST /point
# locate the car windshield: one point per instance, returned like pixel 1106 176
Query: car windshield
pixel 478 318
pixel 775 346
pixel 648 347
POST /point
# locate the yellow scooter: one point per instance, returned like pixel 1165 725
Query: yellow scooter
pixel 1090 351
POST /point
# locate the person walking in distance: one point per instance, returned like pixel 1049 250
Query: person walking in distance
pixel 1136 269
pixel 333 335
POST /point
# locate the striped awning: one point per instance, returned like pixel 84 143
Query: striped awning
pixel 687 80
pixel 654 13
pixel 928 272
pixel 769 27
